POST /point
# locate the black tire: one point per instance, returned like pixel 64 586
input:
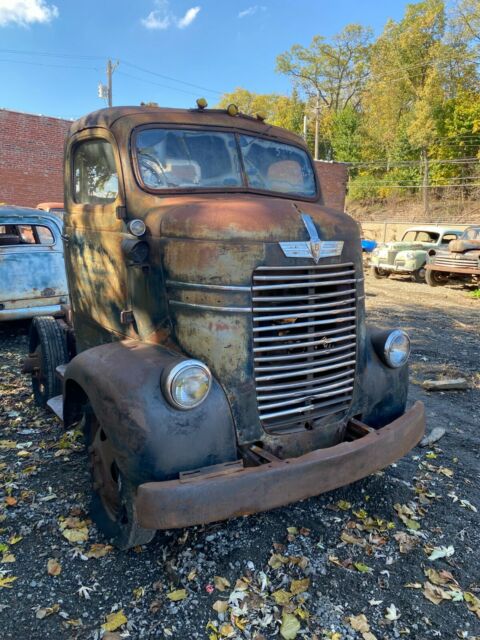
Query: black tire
pixel 116 520
pixel 379 273
pixel 419 275
pixel 433 279
pixel 48 342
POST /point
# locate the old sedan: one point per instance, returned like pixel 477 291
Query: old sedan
pixel 409 255
pixel 32 270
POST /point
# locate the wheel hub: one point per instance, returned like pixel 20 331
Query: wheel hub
pixel 105 473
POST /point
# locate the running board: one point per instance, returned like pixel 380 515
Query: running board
pixel 55 404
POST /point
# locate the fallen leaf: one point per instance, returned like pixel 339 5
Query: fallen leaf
pixel 220 583
pixel 351 539
pixel 98 550
pixel 192 575
pixel 290 626
pixel 44 612
pixel 299 586
pixel 138 593
pixel 226 630
pixel 281 597
pixel 362 567
pixel 439 577
pixel 445 471
pixel 8 557
pixel 359 623
pixel 344 505
pixel 405 541
pixel 413 585
pixel 441 552
pixel 14 539
pixel 435 593
pixel 6 581
pixel 473 603
pixel 468 505
pixel 392 613
pixel 75 535
pixel 220 606
pixel 10 501
pixel 114 621
pixel 277 560
pixel 8 444
pixel 178 594
pixel 54 568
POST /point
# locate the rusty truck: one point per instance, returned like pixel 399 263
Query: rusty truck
pixel 217 355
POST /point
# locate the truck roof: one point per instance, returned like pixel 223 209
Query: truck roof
pixel 135 116
pixel 437 228
pixel 27 215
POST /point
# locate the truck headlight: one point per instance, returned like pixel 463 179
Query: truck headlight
pixel 186 385
pixel 396 349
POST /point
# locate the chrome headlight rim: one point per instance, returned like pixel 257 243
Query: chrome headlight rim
pixel 389 342
pixel 172 375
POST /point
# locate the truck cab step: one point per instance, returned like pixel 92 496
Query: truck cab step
pixel 55 404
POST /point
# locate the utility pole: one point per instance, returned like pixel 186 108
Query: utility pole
pixel 317 109
pixel 305 122
pixel 426 203
pixel 110 69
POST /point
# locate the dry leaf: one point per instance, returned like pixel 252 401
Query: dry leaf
pixel 441 552
pixel 299 586
pixel 8 557
pixel 44 612
pixel 405 541
pixel 6 581
pixel 10 501
pixel 440 577
pixel 276 561
pixel 290 626
pixel 75 535
pixel 434 593
pixel 473 603
pixel 351 539
pixel 178 594
pixel 281 597
pixel 392 613
pixel 220 606
pixel 98 550
pixel 54 568
pixel 8 444
pixel 114 621
pixel 221 583
pixel 344 505
pixel 359 623
pixel 226 630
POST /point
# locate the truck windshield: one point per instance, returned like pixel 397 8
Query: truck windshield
pixel 182 159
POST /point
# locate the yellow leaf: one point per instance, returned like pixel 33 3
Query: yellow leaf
pixel 240 623
pixel 7 581
pixel 299 586
pixel 293 531
pixel 351 539
pixel 8 557
pixel 281 597
pixel 368 635
pixel 221 583
pixel 445 471
pixel 192 575
pixel 344 505
pixel 75 535
pixel 362 567
pixel 290 626
pixel 276 561
pixel 473 603
pixel 361 514
pixel 114 621
pixel 7 444
pixel 54 568
pixel 138 593
pixel 98 550
pixel 15 539
pixel 220 606
pixel 359 623
pixel 178 594
pixel 226 630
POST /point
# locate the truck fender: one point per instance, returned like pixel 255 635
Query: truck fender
pixel 151 439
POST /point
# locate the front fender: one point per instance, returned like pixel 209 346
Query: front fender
pixel 151 439
pixel 381 394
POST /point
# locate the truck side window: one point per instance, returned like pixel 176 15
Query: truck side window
pixel 94 173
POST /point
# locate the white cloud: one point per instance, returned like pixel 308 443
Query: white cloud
pixel 25 12
pixel 188 18
pixel 250 11
pixel 162 17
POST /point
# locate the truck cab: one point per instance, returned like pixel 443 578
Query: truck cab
pixel 222 364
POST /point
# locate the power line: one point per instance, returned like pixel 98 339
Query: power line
pixel 164 86
pixel 160 75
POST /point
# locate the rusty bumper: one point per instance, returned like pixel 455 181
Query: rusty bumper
pixel 467 271
pixel 178 503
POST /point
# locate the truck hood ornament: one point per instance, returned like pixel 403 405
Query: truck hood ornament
pixel 314 248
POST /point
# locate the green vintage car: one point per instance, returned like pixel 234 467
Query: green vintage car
pixel 409 255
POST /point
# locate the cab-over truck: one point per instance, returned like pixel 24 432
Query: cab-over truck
pixel 216 353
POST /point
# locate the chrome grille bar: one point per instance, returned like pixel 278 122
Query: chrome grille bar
pixel 304 342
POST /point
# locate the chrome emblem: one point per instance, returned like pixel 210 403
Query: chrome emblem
pixel 314 248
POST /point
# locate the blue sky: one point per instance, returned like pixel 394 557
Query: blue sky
pixel 217 45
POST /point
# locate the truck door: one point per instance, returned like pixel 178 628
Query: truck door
pixel 93 235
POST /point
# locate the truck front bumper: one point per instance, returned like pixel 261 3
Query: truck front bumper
pixel 178 503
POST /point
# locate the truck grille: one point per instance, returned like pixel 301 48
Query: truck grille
pixel 448 259
pixel 304 342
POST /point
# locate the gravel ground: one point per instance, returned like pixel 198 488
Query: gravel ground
pixel 353 563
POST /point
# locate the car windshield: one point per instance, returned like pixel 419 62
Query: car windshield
pixel 420 236
pixel 471 234
pixel 181 159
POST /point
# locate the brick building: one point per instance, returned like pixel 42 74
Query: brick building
pixel 31 158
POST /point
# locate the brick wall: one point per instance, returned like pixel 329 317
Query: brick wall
pixel 31 158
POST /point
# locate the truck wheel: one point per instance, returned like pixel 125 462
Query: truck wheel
pixel 379 273
pixel 434 279
pixel 112 506
pixel 419 275
pixel 49 348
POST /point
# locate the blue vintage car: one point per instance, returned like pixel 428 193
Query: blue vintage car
pixel 32 270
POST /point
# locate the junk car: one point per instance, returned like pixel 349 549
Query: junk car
pixel 57 208
pixel 32 272
pixel 410 254
pixel 222 364
pixel 459 261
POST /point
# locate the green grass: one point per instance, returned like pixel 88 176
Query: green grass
pixel 475 294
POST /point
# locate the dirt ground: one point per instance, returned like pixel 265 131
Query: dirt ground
pixel 355 563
